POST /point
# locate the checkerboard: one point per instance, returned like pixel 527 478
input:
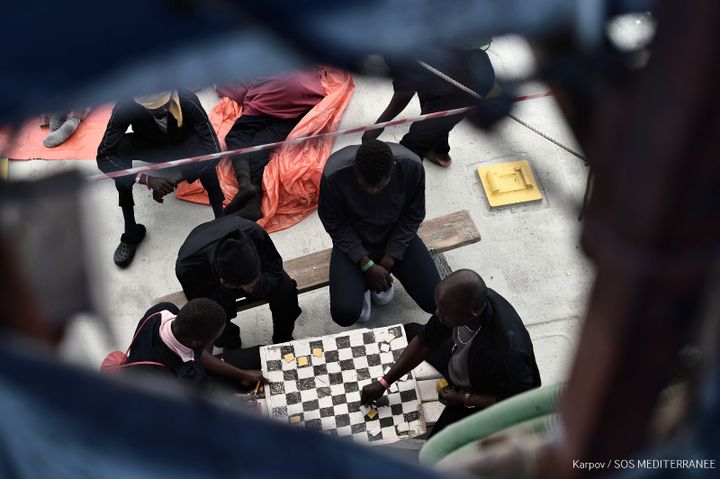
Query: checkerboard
pixel 320 386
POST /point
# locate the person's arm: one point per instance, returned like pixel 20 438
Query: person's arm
pixel 454 397
pixel 116 128
pixel 271 261
pixel 398 103
pixel 246 379
pixel 430 338
pixel 194 115
pixel 334 219
pixel 412 215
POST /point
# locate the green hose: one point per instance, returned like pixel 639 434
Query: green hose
pixel 534 427
pixel 520 408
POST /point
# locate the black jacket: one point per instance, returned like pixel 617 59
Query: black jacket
pixel 195 265
pixel 148 346
pixel 501 360
pixel 363 224
pixel 196 133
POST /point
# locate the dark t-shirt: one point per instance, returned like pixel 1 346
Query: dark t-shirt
pixel 148 346
pixel 501 361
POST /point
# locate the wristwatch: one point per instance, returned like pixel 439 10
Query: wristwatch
pixel 467 402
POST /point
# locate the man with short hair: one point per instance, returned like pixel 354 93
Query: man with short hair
pixel 231 258
pixel 478 343
pixel 167 126
pixel 176 342
pixel 372 201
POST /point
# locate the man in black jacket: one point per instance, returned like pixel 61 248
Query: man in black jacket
pixel 478 343
pixel 167 126
pixel 231 258
pixel 175 343
pixel 372 201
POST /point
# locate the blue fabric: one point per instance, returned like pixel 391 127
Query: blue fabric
pixel 60 422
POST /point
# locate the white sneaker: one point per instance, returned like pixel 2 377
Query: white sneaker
pixel 381 299
pixel 367 307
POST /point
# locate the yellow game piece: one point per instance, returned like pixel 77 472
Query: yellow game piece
pixel 303 361
pixel 317 352
pixel 441 384
pixel 288 357
pixel 295 419
pixel 509 183
pixel 372 413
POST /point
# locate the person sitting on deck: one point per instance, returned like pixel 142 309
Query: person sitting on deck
pixel 167 126
pixel 179 341
pixel 478 343
pixel 231 258
pixel 271 108
pixel 372 201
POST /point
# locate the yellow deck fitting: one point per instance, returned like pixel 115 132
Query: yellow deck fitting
pixel 509 183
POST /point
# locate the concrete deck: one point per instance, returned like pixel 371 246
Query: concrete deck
pixel 528 253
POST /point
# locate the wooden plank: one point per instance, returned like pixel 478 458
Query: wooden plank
pixel 312 271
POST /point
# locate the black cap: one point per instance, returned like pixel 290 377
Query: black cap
pixel 237 260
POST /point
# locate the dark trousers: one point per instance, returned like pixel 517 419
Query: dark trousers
pixel 283 301
pixel 133 147
pixel 416 271
pixel 253 131
pixel 432 135
pixel 439 359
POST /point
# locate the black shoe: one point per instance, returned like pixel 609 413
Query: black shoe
pixel 241 199
pixel 125 252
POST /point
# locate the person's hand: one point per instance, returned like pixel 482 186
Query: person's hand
pixel 387 262
pixel 378 278
pixel 160 187
pixel 449 396
pixel 372 134
pixel 250 380
pixel 371 393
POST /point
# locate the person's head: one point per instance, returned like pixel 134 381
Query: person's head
pixel 374 162
pixel 238 264
pixel 460 298
pixel 200 323
pixel 157 104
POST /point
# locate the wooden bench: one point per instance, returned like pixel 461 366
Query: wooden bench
pixel 313 270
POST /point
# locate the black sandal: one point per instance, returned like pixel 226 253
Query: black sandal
pixel 125 252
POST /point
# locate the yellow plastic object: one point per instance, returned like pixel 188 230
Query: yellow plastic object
pixel 372 413
pixel 295 419
pixel 289 357
pixel 4 167
pixel 441 384
pixel 303 361
pixel 509 183
pixel 317 352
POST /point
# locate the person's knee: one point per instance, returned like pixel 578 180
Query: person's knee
pixel 344 314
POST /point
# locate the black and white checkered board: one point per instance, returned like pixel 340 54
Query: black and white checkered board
pixel 325 393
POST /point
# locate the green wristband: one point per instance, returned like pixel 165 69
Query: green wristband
pixel 367 266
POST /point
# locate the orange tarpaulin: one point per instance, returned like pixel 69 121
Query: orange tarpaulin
pixel 291 181
pixel 27 144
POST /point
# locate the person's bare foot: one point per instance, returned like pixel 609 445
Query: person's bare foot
pixel 440 159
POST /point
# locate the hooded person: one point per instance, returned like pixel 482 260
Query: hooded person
pixel 165 126
pixel 232 258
